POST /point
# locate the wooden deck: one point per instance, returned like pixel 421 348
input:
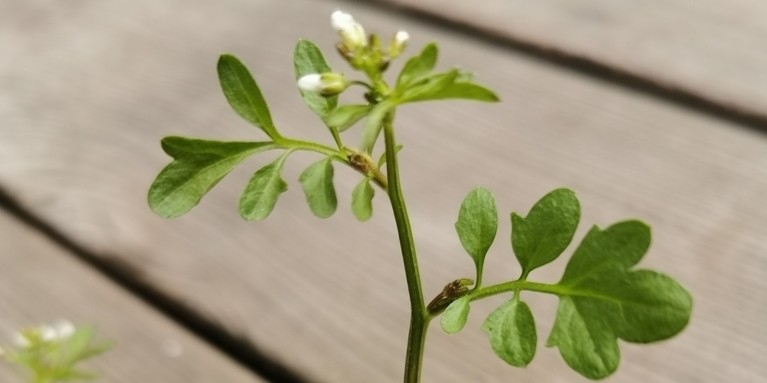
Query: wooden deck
pixel 656 113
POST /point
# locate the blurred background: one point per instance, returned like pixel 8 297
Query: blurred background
pixel 652 110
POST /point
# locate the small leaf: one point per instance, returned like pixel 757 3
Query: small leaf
pixel 466 91
pixel 317 181
pixel 362 200
pixel 308 59
pixel 547 230
pixel 197 166
pixel 345 116
pixel 382 159
pixel 263 190
pixel 418 66
pixel 511 329
pixel 244 95
pixel 428 87
pixel 477 224
pixel 373 125
pixel 601 300
pixel 455 316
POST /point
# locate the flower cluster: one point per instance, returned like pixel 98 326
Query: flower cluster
pixel 59 331
pixel 362 51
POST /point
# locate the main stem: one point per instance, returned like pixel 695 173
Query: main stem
pixel 419 316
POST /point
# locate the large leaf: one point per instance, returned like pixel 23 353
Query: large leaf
pixel 244 95
pixel 197 166
pixel 477 224
pixel 308 59
pixel 362 200
pixel 602 300
pixel 455 316
pixel 263 190
pixel 512 334
pixel 317 182
pixel 547 230
pixel 418 66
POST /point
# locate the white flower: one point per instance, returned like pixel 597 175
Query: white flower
pixel 327 84
pixel 352 34
pixel 401 37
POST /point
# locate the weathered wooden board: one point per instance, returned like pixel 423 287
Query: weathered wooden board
pixel 95 85
pixel 710 48
pixel 41 283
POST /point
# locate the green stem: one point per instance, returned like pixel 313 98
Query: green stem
pixel 419 316
pixel 518 285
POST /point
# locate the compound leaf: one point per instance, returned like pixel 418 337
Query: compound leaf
pixel 419 65
pixel 243 94
pixel 317 182
pixel 547 230
pixel 477 224
pixel 511 329
pixel 362 200
pixel 602 299
pixel 455 316
pixel 197 166
pixel 263 190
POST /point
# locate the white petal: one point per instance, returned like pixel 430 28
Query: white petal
pixel 341 20
pixel 310 82
pixel 401 37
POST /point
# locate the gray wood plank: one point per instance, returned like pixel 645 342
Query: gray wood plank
pixel 41 283
pixel 711 48
pixel 101 82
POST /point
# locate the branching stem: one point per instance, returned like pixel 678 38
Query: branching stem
pixel 419 316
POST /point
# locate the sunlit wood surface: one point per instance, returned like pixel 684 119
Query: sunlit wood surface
pixel 87 89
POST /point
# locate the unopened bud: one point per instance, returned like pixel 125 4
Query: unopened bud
pixel 326 84
pixel 351 32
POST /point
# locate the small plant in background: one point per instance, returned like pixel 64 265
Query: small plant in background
pixel 53 353
pixel 602 297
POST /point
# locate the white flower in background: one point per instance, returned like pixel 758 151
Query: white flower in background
pixel 352 34
pixel 327 84
pixel 60 330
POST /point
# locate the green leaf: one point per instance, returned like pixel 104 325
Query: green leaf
pixel 263 190
pixel 308 59
pixel 382 159
pixel 317 181
pixel 345 116
pixel 511 329
pixel 362 200
pixel 547 230
pixel 602 300
pixel 373 125
pixel 455 316
pixel 197 166
pixel 448 85
pixel 244 95
pixel 418 66
pixel 477 224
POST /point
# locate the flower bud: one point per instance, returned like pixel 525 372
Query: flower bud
pixel 326 84
pixel 397 43
pixel 351 32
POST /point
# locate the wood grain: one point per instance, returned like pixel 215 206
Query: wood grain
pixel 41 283
pixel 709 48
pixel 96 84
